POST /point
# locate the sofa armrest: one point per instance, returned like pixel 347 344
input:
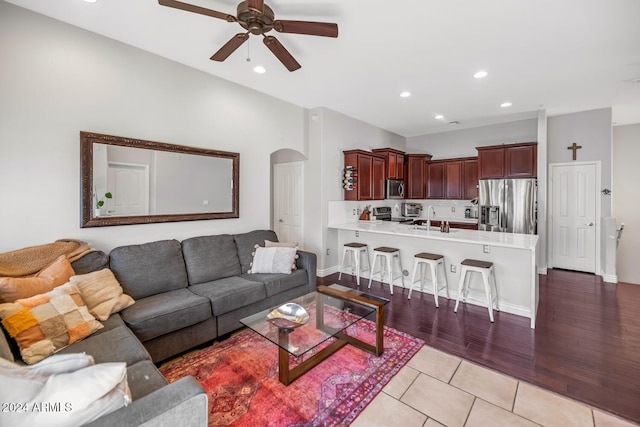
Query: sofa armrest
pixel 182 403
pixel 309 262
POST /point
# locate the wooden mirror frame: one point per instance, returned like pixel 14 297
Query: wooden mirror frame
pixel 87 139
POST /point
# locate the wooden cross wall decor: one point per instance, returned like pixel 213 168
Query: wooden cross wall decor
pixel 575 147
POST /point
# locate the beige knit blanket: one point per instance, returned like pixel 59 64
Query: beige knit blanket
pixel 28 261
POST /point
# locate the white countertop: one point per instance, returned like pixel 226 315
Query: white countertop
pixel 509 240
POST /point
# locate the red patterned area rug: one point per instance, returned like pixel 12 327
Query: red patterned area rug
pixel 240 376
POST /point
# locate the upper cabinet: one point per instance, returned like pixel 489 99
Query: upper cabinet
pixel 369 175
pixel 394 162
pixel 508 161
pixel 452 179
pixel 435 180
pixel 416 180
pixel 470 182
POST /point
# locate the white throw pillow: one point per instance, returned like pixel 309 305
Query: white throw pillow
pixel 64 399
pixel 273 260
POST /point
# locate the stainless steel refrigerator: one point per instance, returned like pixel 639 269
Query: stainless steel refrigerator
pixel 508 205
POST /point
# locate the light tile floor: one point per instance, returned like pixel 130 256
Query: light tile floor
pixel 437 389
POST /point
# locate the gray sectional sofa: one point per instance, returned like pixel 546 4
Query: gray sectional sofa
pixel 187 293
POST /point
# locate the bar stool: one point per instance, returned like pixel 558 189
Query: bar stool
pixel 433 261
pixel 385 255
pixel 486 269
pixel 355 251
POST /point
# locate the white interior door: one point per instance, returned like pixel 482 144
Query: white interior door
pixel 129 185
pixel 574 216
pixel 288 202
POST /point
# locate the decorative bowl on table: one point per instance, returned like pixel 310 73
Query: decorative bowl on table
pixel 288 316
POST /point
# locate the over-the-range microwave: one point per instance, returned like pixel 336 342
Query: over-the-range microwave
pixel 395 189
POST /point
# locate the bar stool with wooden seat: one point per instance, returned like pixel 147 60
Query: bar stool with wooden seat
pixel 433 261
pixel 386 255
pixel 485 268
pixel 355 251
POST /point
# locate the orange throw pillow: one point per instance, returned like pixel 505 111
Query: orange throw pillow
pixel 55 274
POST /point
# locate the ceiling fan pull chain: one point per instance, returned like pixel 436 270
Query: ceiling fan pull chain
pixel 249 50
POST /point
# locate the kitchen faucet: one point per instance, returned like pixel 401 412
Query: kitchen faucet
pixel 429 209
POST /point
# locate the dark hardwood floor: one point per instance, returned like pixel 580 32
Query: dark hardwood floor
pixel 586 344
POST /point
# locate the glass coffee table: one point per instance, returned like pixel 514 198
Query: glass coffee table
pixel 332 309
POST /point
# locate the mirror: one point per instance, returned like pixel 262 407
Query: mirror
pixel 131 181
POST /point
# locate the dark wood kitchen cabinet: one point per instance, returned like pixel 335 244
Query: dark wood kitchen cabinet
pixel 370 175
pixel 521 161
pixel 378 175
pixel 508 161
pixel 470 182
pixel 394 162
pixel 453 174
pixel 415 183
pixel 435 180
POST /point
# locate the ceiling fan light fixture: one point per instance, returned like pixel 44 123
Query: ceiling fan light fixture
pixel 260 69
pixel 480 74
pixel 405 94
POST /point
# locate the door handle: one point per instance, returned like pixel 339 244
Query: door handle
pixel 590 224
pixel 280 220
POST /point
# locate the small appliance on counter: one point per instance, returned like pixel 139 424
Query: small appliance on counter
pixel 411 209
pixel 471 211
pixel 382 213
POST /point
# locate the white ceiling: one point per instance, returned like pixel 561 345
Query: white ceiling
pixel 560 55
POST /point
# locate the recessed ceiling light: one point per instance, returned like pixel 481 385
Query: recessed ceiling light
pixel 439 117
pixel 505 104
pixel 260 69
pixel 480 74
pixel 90 1
pixel 405 94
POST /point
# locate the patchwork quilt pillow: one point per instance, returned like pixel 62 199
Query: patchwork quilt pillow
pixel 46 323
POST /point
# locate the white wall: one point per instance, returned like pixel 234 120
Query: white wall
pixel 463 143
pixel 626 199
pixel 57 80
pixel 592 130
pixel 330 133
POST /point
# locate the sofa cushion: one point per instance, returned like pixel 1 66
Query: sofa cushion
pixel 210 257
pixel 150 268
pixel 115 345
pixel 277 283
pixel 230 293
pixel 144 378
pixel 93 261
pixel 246 244
pixel 166 312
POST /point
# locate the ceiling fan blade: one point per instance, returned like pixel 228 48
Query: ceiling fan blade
pixel 197 9
pixel 230 47
pixel 256 4
pixel 281 53
pixel 324 29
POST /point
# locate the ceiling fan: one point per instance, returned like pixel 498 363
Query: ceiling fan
pixel 258 18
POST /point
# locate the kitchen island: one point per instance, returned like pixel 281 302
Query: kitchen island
pixel 513 256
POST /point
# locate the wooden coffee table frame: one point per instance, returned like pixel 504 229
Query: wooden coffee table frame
pixel 288 375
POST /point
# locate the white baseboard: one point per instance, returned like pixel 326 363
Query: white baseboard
pixel 610 278
pixel 542 270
